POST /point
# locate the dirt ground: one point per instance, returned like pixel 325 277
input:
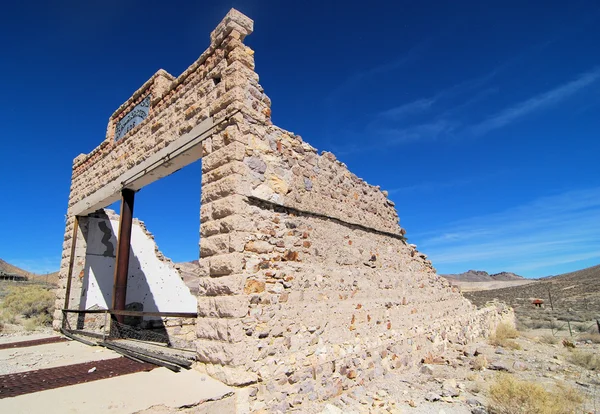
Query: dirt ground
pixel 454 386
pixel 449 385
pixel 478 286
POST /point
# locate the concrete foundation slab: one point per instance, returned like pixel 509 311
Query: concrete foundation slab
pixel 50 356
pixel 125 394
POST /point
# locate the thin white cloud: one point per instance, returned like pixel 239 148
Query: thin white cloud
pixel 359 77
pixel 424 104
pixel 536 103
pixel 394 125
pixel 432 186
pixel 551 230
pixel 425 131
pixel 399 112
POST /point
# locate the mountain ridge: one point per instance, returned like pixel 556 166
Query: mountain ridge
pixel 482 276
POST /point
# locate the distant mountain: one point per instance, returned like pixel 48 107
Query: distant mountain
pixel 12 269
pixel 189 273
pixel 579 291
pixel 506 276
pixel 482 276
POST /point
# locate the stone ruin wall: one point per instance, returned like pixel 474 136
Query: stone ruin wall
pixel 306 284
pixel 152 277
pixel 309 286
pixel 214 86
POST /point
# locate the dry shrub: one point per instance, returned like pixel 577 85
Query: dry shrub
pixel 568 344
pixel 431 358
pixel 504 335
pixel 479 363
pixel 506 331
pixel 508 395
pixel 594 337
pixel 586 360
pixel 33 303
pixel 548 339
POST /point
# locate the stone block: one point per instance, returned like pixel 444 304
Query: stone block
pixel 223 353
pixel 233 167
pixel 227 186
pixel 210 228
pixel 254 286
pixel 227 206
pixel 235 151
pixel 236 222
pixel 259 246
pixel 217 244
pixel 223 306
pixel 226 264
pixel 236 377
pixel 219 286
pixel 227 330
pixel 205 212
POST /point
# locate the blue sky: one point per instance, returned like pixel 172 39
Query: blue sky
pixel 481 119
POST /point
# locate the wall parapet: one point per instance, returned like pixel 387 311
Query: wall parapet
pixel 215 86
pixel 162 85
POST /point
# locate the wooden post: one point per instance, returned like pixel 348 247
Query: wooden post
pixel 123 247
pixel 550 297
pixel 70 269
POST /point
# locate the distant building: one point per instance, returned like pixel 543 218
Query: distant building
pixel 12 277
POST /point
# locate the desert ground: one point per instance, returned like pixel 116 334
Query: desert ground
pixel 550 364
pixel 479 286
pixel 459 380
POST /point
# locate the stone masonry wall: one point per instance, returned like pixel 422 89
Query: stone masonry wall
pixel 215 85
pixel 218 85
pixel 306 285
pixel 306 275
pixel 152 277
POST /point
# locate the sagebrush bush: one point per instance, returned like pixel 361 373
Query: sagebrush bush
pixel 508 395
pixel 506 331
pixel 33 303
pixel 503 335
pixel 584 359
pixel 594 337
pixel 548 339
pixel 479 363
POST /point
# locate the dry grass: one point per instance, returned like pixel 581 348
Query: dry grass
pixel 548 339
pixel 431 358
pixel 479 363
pixel 30 305
pixel 568 344
pixel 508 395
pixel 593 337
pixel 584 359
pixel 504 335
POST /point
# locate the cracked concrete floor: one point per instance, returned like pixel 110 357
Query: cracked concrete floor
pixel 159 390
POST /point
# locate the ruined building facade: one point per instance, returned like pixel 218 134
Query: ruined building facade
pixel 305 278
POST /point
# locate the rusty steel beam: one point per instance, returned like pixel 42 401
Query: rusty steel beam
pixel 123 248
pixel 134 313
